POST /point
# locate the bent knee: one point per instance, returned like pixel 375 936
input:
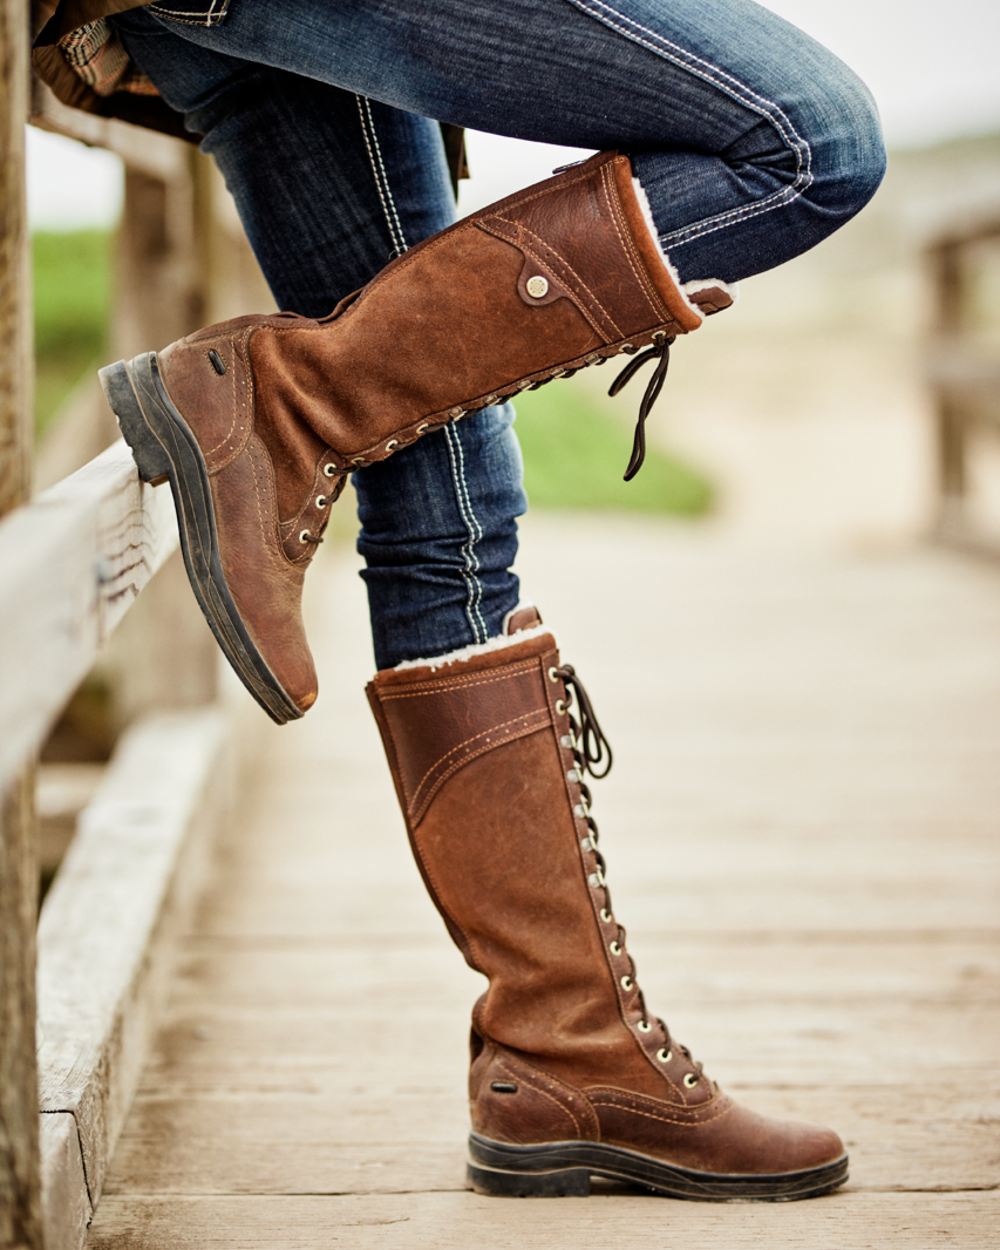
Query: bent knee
pixel 848 155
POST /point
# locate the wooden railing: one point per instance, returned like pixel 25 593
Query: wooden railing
pixel 95 549
pixel 964 376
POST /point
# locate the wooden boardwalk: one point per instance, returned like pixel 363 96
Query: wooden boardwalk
pixel 801 830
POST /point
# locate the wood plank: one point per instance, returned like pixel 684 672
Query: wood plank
pixel 357 977
pixel 74 560
pixel 108 925
pixel 20 1209
pixel 408 1133
pixel 455 1221
pixel 67 1209
pixel 254 1050
pixel 157 155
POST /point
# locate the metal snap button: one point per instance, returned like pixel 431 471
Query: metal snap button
pixel 537 286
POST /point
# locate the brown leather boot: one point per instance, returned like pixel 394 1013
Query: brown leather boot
pixel 571 1075
pixel 257 422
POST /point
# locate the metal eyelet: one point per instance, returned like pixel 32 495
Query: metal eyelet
pixel 553 674
pixel 606 915
pixel 358 460
pixel 580 811
pixel 321 501
pixel 644 1026
pixel 691 1079
pixel 628 348
pixel 586 844
pixel 392 444
pixel 330 469
pixel 423 427
pixel 615 948
pixel 593 358
pixel 303 536
pixel 566 741
pixel 627 982
pixel 490 399
pixel 573 774
pixel 455 413
pixel 664 1055
pixel 560 707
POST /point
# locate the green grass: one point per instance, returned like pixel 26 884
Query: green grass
pixel 72 292
pixel 575 451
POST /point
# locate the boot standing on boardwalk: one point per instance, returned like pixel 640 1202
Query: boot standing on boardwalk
pixel 727 142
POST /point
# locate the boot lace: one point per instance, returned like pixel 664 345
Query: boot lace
pixel 660 352
pixel 592 756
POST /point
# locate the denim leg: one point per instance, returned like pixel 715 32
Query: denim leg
pixel 329 186
pixel 752 140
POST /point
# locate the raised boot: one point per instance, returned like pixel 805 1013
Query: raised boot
pixel 571 1074
pixel 257 422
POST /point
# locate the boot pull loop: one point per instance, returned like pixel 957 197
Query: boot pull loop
pixel 661 353
pixel 595 750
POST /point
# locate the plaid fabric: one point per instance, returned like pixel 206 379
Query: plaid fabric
pixel 97 56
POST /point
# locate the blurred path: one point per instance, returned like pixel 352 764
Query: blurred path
pixel 801 833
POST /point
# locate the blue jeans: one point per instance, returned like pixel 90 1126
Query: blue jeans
pixel 752 142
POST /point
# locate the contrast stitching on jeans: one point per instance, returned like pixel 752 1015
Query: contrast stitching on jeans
pixel 374 151
pixel 751 99
pixel 474 589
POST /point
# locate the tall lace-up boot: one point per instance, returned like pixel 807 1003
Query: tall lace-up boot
pixel 572 1076
pixel 257 422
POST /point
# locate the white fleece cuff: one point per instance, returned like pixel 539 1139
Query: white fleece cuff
pixel 686 289
pixel 499 643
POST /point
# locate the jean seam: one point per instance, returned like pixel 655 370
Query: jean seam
pixel 735 88
pixel 474 531
pixel 374 150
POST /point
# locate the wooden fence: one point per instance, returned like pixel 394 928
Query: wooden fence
pixel 79 993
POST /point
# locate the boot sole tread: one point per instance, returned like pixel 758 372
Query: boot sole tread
pixel 565 1169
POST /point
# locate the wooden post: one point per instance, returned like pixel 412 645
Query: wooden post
pixel 20 1206
pixel 949 411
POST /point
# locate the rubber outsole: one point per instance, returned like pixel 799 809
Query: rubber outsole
pixel 565 1169
pixel 165 450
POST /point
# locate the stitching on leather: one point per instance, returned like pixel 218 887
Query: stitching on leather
pixel 420 809
pixel 474 532
pixel 763 107
pixel 232 424
pixel 514 720
pixel 486 678
pixel 275 552
pixel 521 228
pixel 660 311
pixel 551 1096
pixel 248 407
pixel 396 236
pixel 665 1119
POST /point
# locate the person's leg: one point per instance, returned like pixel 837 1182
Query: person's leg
pixel 752 141
pixel 329 186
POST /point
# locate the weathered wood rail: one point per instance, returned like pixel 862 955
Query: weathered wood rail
pixel 95 548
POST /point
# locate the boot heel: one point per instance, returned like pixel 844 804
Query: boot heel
pixel 150 458
pixel 564 1183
